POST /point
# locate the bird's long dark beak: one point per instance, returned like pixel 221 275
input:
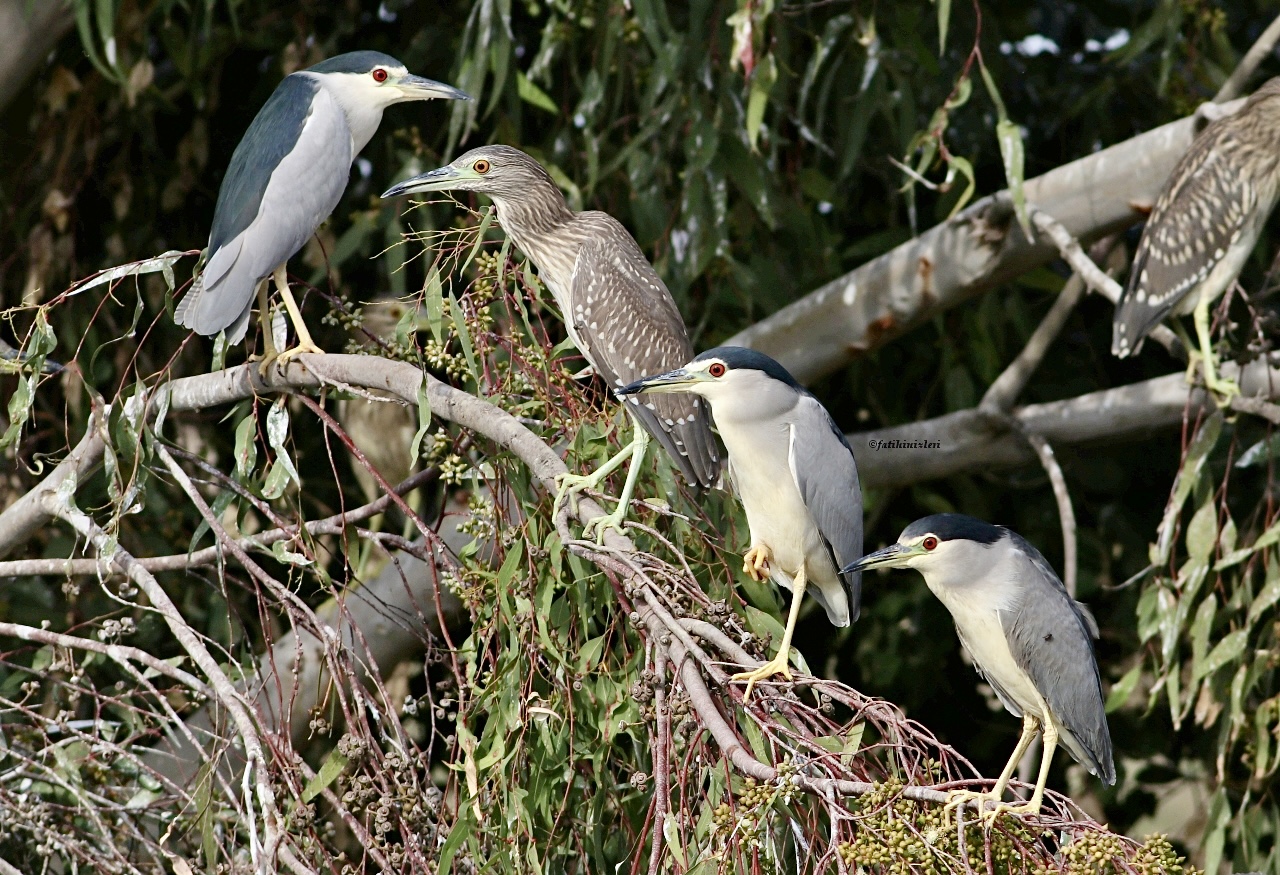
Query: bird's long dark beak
pixel 893 556
pixel 418 88
pixel 440 179
pixel 672 381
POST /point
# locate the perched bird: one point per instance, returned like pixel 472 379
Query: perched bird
pixel 795 474
pixel 1203 228
pixel 285 178
pixel 1027 636
pixel 615 307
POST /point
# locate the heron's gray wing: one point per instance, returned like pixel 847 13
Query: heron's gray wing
pixel 299 192
pixel 827 476
pixel 1202 210
pixel 1050 636
pixel 271 136
pixel 629 327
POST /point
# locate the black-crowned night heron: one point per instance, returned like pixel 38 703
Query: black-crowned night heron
pixel 1203 228
pixel 285 178
pixel 795 474
pixel 1027 636
pixel 615 306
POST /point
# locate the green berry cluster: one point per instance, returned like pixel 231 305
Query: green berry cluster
pixel 897 835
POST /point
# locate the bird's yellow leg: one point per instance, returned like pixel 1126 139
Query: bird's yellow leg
pixel 1031 806
pixel 571 484
pixel 305 343
pixel 755 562
pixel 269 351
pixel 1221 389
pixel 780 663
pixel 960 798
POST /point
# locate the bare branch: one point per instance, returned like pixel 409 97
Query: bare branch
pixel 1256 55
pixel 970 440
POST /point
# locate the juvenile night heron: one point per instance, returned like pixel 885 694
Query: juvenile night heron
pixel 795 474
pixel 615 307
pixel 1203 228
pixel 1027 636
pixel 285 178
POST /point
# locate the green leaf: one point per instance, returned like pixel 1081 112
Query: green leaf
pixel 162 263
pixel 246 452
pixel 277 431
pixel 1227 651
pixel 1189 475
pixel 1122 689
pixel 1202 531
pixel 433 302
pixel 424 420
pixel 485 222
pixel 330 769
pixel 1012 153
pixel 671 833
pixel 762 81
pixel 1269 594
pixel 533 95
pixel 464 337
pixel 944 19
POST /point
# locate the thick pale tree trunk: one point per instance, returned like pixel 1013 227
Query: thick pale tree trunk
pixel 29 29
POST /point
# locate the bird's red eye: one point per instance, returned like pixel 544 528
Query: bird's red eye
pixel 379 75
pixel 717 370
pixel 482 166
pixel 930 543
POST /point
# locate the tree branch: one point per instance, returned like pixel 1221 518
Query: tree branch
pixel 1256 55
pixel 970 440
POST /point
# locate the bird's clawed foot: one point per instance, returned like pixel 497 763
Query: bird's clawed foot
pixel 305 347
pixel 568 486
pixel 958 799
pixel 776 666
pixel 755 562
pixel 598 526
pixel 1221 389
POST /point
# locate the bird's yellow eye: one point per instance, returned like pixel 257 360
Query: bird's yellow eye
pixel 930 543
pixel 379 75
pixel 482 166
pixel 717 370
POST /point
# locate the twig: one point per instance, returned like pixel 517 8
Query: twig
pixel 1006 388
pixel 1093 276
pixel 1256 55
pixel 661 752
pixel 262 849
pixel 331 525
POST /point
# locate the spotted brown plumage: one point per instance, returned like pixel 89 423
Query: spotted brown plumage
pixel 616 308
pixel 1206 221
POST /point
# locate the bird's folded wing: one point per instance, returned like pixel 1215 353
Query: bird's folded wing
pixel 1199 215
pixel 827 476
pixel 629 327
pixel 1049 636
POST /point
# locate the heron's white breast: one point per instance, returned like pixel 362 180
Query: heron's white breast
pixel 976 612
pixel 776 513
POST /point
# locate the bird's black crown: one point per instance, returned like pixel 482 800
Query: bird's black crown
pixel 953 527
pixel 355 62
pixel 739 358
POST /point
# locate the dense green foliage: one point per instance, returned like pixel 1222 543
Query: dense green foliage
pixel 748 147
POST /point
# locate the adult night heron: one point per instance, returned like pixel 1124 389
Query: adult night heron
pixel 1203 228
pixel 615 307
pixel 795 474
pixel 285 178
pixel 1027 636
